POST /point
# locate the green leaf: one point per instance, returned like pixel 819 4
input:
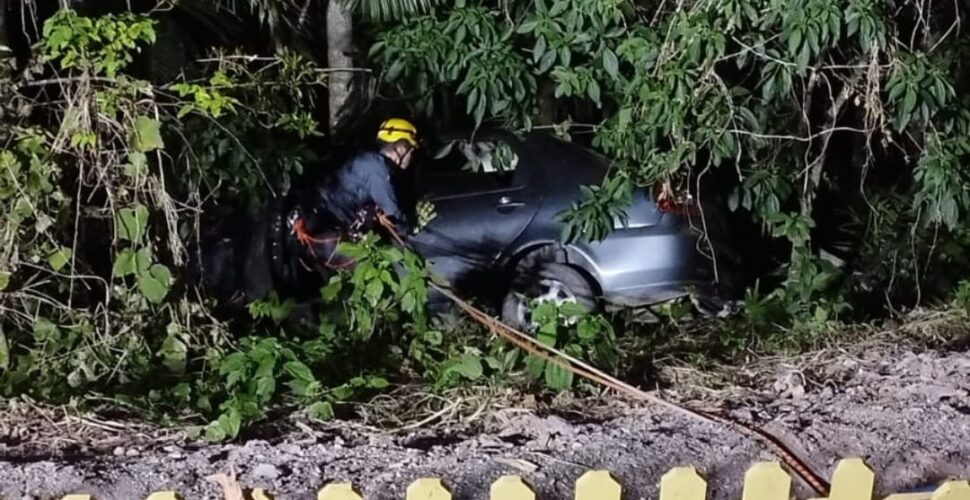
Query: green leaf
pixel 572 309
pixel 393 255
pixel 321 410
pixel 433 337
pixel 148 136
pixel 803 57
pixel 377 382
pixel 230 423
pixel 469 366
pixel 472 100
pixel 143 261
pixel 625 116
pixel 395 70
pixel 137 165
pixel 526 27
pixel 332 289
pixel 59 258
pixel 557 377
pixel 124 263
pixel 299 371
pixel 374 291
pixel 232 363
pixel 794 41
pixel 539 50
pixel 4 280
pixel 375 49
pixel 155 283
pixel 174 354
pixel 548 59
pixel 265 387
pixel 342 393
pixel 558 7
pixel 909 101
pixel 594 92
pixel 214 432
pixel 408 302
pixel 132 222
pixel 610 63
pixel 534 367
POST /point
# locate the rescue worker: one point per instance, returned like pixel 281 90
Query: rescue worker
pixel 346 204
pixel 364 184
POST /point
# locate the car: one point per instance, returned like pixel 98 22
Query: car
pixel 498 232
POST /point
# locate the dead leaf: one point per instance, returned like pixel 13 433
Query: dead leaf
pixel 230 487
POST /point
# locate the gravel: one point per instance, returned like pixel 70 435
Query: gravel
pixel 906 414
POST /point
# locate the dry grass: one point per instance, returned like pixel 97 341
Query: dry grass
pixel 819 367
pixel 28 427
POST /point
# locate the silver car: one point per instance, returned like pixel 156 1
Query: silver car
pixel 498 233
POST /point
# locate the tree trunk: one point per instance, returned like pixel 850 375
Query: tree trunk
pixel 340 36
pixel 548 106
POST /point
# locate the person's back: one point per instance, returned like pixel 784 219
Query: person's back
pixel 361 184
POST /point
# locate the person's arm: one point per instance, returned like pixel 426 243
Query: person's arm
pixel 382 192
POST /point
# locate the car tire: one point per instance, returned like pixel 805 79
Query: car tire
pixel 574 285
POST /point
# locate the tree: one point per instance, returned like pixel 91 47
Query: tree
pixel 340 38
pixel 781 101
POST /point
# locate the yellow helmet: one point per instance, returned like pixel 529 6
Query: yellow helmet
pixel 395 129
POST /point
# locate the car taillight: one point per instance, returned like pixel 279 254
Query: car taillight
pixel 671 202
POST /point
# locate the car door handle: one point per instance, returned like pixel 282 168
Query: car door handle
pixel 506 204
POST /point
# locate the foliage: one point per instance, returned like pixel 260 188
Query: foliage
pixel 963 296
pixel 100 46
pixel 761 89
pixel 106 199
pixel 95 248
pixel 247 124
pixel 380 10
pixel 794 113
pixel 570 328
pixel 465 49
pixel 373 294
pixel 601 208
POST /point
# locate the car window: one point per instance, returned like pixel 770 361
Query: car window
pixel 464 167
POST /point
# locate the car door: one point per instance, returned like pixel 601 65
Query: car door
pixel 479 215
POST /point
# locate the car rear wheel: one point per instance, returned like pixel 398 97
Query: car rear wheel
pixel 559 283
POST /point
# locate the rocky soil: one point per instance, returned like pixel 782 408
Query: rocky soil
pixel 906 414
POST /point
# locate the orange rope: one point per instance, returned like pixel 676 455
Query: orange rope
pixel 531 345
pixel 304 237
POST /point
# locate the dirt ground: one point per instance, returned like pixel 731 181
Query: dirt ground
pixel 906 414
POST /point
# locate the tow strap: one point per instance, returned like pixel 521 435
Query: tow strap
pixel 582 369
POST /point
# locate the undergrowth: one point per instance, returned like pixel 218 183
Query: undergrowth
pixel 106 170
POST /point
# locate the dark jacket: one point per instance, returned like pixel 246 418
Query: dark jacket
pixel 362 183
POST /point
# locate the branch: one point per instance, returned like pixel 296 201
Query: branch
pixel 61 81
pixel 808 138
pixel 815 168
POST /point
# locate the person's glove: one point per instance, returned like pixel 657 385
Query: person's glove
pixel 426 213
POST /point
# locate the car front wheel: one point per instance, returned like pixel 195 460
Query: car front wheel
pixel 553 282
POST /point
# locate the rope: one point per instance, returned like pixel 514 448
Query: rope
pixel 304 237
pixel 582 369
